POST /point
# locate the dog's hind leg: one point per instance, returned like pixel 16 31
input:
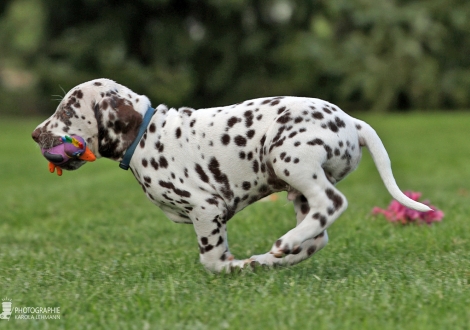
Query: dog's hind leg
pixel 324 205
pixel 306 249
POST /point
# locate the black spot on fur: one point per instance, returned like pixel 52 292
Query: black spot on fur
pixel 311 250
pixel 163 162
pixel 246 185
pixel 329 151
pixel 225 139
pixel 220 177
pixel 296 250
pixel 170 185
pixel 339 122
pixel 317 115
pixel 202 175
pixel 332 126
pixel 347 156
pixel 284 118
pixel 248 118
pixel 315 142
pixel 240 141
pixel 232 121
pixel 159 146
pixel 281 110
pixel 335 198
pixel 321 218
pixel 154 163
pixel 255 166
pixel 212 201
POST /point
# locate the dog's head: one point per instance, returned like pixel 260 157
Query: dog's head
pixel 104 114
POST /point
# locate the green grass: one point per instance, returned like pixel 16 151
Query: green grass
pixel 90 243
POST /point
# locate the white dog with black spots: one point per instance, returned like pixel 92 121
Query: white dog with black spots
pixel 203 166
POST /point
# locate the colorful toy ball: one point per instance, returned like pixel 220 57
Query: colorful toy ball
pixel 72 147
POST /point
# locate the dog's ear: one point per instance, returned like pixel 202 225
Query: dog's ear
pixel 127 120
pixel 118 125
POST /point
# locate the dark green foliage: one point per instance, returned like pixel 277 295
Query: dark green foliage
pixel 360 54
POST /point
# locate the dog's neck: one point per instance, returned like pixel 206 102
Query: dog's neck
pixel 126 160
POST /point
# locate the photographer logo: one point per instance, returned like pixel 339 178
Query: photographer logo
pixel 6 309
pixel 28 313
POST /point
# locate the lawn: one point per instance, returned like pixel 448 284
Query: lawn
pixel 91 244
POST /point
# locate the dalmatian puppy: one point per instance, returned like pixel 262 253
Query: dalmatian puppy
pixel 203 166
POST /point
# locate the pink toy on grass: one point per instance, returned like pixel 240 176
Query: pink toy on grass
pixel 396 212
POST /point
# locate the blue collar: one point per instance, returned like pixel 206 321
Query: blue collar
pixel 124 164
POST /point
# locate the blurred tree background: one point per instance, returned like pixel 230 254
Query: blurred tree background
pixel 376 55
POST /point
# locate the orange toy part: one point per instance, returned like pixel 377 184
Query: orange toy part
pixel 52 168
pixel 88 155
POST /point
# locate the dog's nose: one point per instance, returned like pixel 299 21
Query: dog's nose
pixel 36 134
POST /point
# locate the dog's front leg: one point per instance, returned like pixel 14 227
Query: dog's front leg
pixel 211 232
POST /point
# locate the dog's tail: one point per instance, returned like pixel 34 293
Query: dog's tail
pixel 369 138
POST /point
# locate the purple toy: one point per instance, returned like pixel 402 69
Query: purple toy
pixel 73 147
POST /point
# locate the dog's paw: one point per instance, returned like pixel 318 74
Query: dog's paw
pixel 233 266
pixel 264 260
pixel 282 247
